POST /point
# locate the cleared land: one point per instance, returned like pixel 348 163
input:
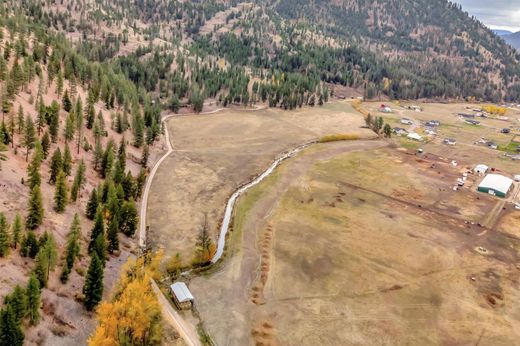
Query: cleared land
pixel 353 243
pixel 453 126
pixel 214 154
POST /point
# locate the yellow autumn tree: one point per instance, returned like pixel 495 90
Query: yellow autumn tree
pixel 133 317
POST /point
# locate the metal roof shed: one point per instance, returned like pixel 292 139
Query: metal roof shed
pixel 496 184
pixel 181 295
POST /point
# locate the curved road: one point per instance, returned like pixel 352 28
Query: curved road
pixel 186 330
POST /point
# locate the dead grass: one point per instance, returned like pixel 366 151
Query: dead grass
pixel 364 247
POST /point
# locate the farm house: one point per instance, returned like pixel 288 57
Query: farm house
pixel 181 295
pixel 496 185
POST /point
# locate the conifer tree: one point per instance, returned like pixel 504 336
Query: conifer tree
pixel 4 236
pixel 60 193
pixel 20 120
pixel 46 260
pixel 79 181
pixel 10 331
pixel 93 288
pixel 35 215
pixel 68 132
pixel 11 126
pixel 33 300
pixel 67 161
pixel 98 156
pixel 72 249
pixel 113 230
pixel 29 246
pixel 92 204
pixel 46 144
pixel 42 114
pixel 66 103
pixel 29 136
pixel 56 165
pixel 144 157
pixel 97 229
pixel 17 300
pixel 33 169
pixel 17 230
pixel 100 249
pixel 79 123
pixel 129 218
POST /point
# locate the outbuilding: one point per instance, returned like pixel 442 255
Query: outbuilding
pixel 414 136
pixel 496 184
pixel 481 169
pixel 181 295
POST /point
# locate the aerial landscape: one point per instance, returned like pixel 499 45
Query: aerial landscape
pixel 289 172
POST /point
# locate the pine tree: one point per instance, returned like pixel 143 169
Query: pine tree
pixel 79 181
pixel 100 249
pixel 46 260
pixel 33 300
pixel 29 136
pixel 4 236
pixel 33 169
pixel 113 230
pixel 204 245
pixel 42 114
pixel 93 288
pixel 29 246
pixel 20 120
pixel 56 165
pixel 129 218
pixel 92 204
pixel 72 249
pixel 66 103
pixel 67 161
pixel 17 300
pixel 138 128
pixel 35 215
pixel 11 126
pixel 60 193
pixel 54 126
pixel 68 132
pixel 128 185
pixel 97 229
pixel 79 122
pixel 144 157
pixel 121 154
pixel 10 331
pixel 17 230
pixel 59 84
pixel 98 156
pixel 46 144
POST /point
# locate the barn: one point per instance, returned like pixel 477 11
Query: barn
pixel 496 184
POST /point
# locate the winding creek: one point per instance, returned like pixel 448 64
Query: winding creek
pixel 232 200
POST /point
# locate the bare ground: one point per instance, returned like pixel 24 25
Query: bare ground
pixel 325 253
pixel 214 154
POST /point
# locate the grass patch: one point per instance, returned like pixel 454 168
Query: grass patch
pixel 339 137
pixel 510 148
pixel 409 144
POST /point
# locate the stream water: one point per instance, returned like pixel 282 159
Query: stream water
pixel 232 200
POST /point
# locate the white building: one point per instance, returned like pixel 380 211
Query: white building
pixel 181 295
pixel 496 185
pixel 481 169
pixel 415 137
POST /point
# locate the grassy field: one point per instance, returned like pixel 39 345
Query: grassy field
pixel 351 245
pixel 215 154
pixel 452 126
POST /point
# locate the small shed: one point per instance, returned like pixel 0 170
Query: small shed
pixel 181 295
pixel 414 136
pixel 496 184
pixel 481 169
